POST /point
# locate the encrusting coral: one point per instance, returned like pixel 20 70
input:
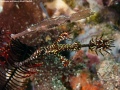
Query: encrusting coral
pixel 83 82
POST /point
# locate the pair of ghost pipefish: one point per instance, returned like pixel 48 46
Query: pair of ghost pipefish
pixel 97 44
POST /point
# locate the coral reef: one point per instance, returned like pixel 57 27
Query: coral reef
pixel 59 45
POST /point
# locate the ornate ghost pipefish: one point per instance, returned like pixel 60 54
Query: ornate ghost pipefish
pixel 98 44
